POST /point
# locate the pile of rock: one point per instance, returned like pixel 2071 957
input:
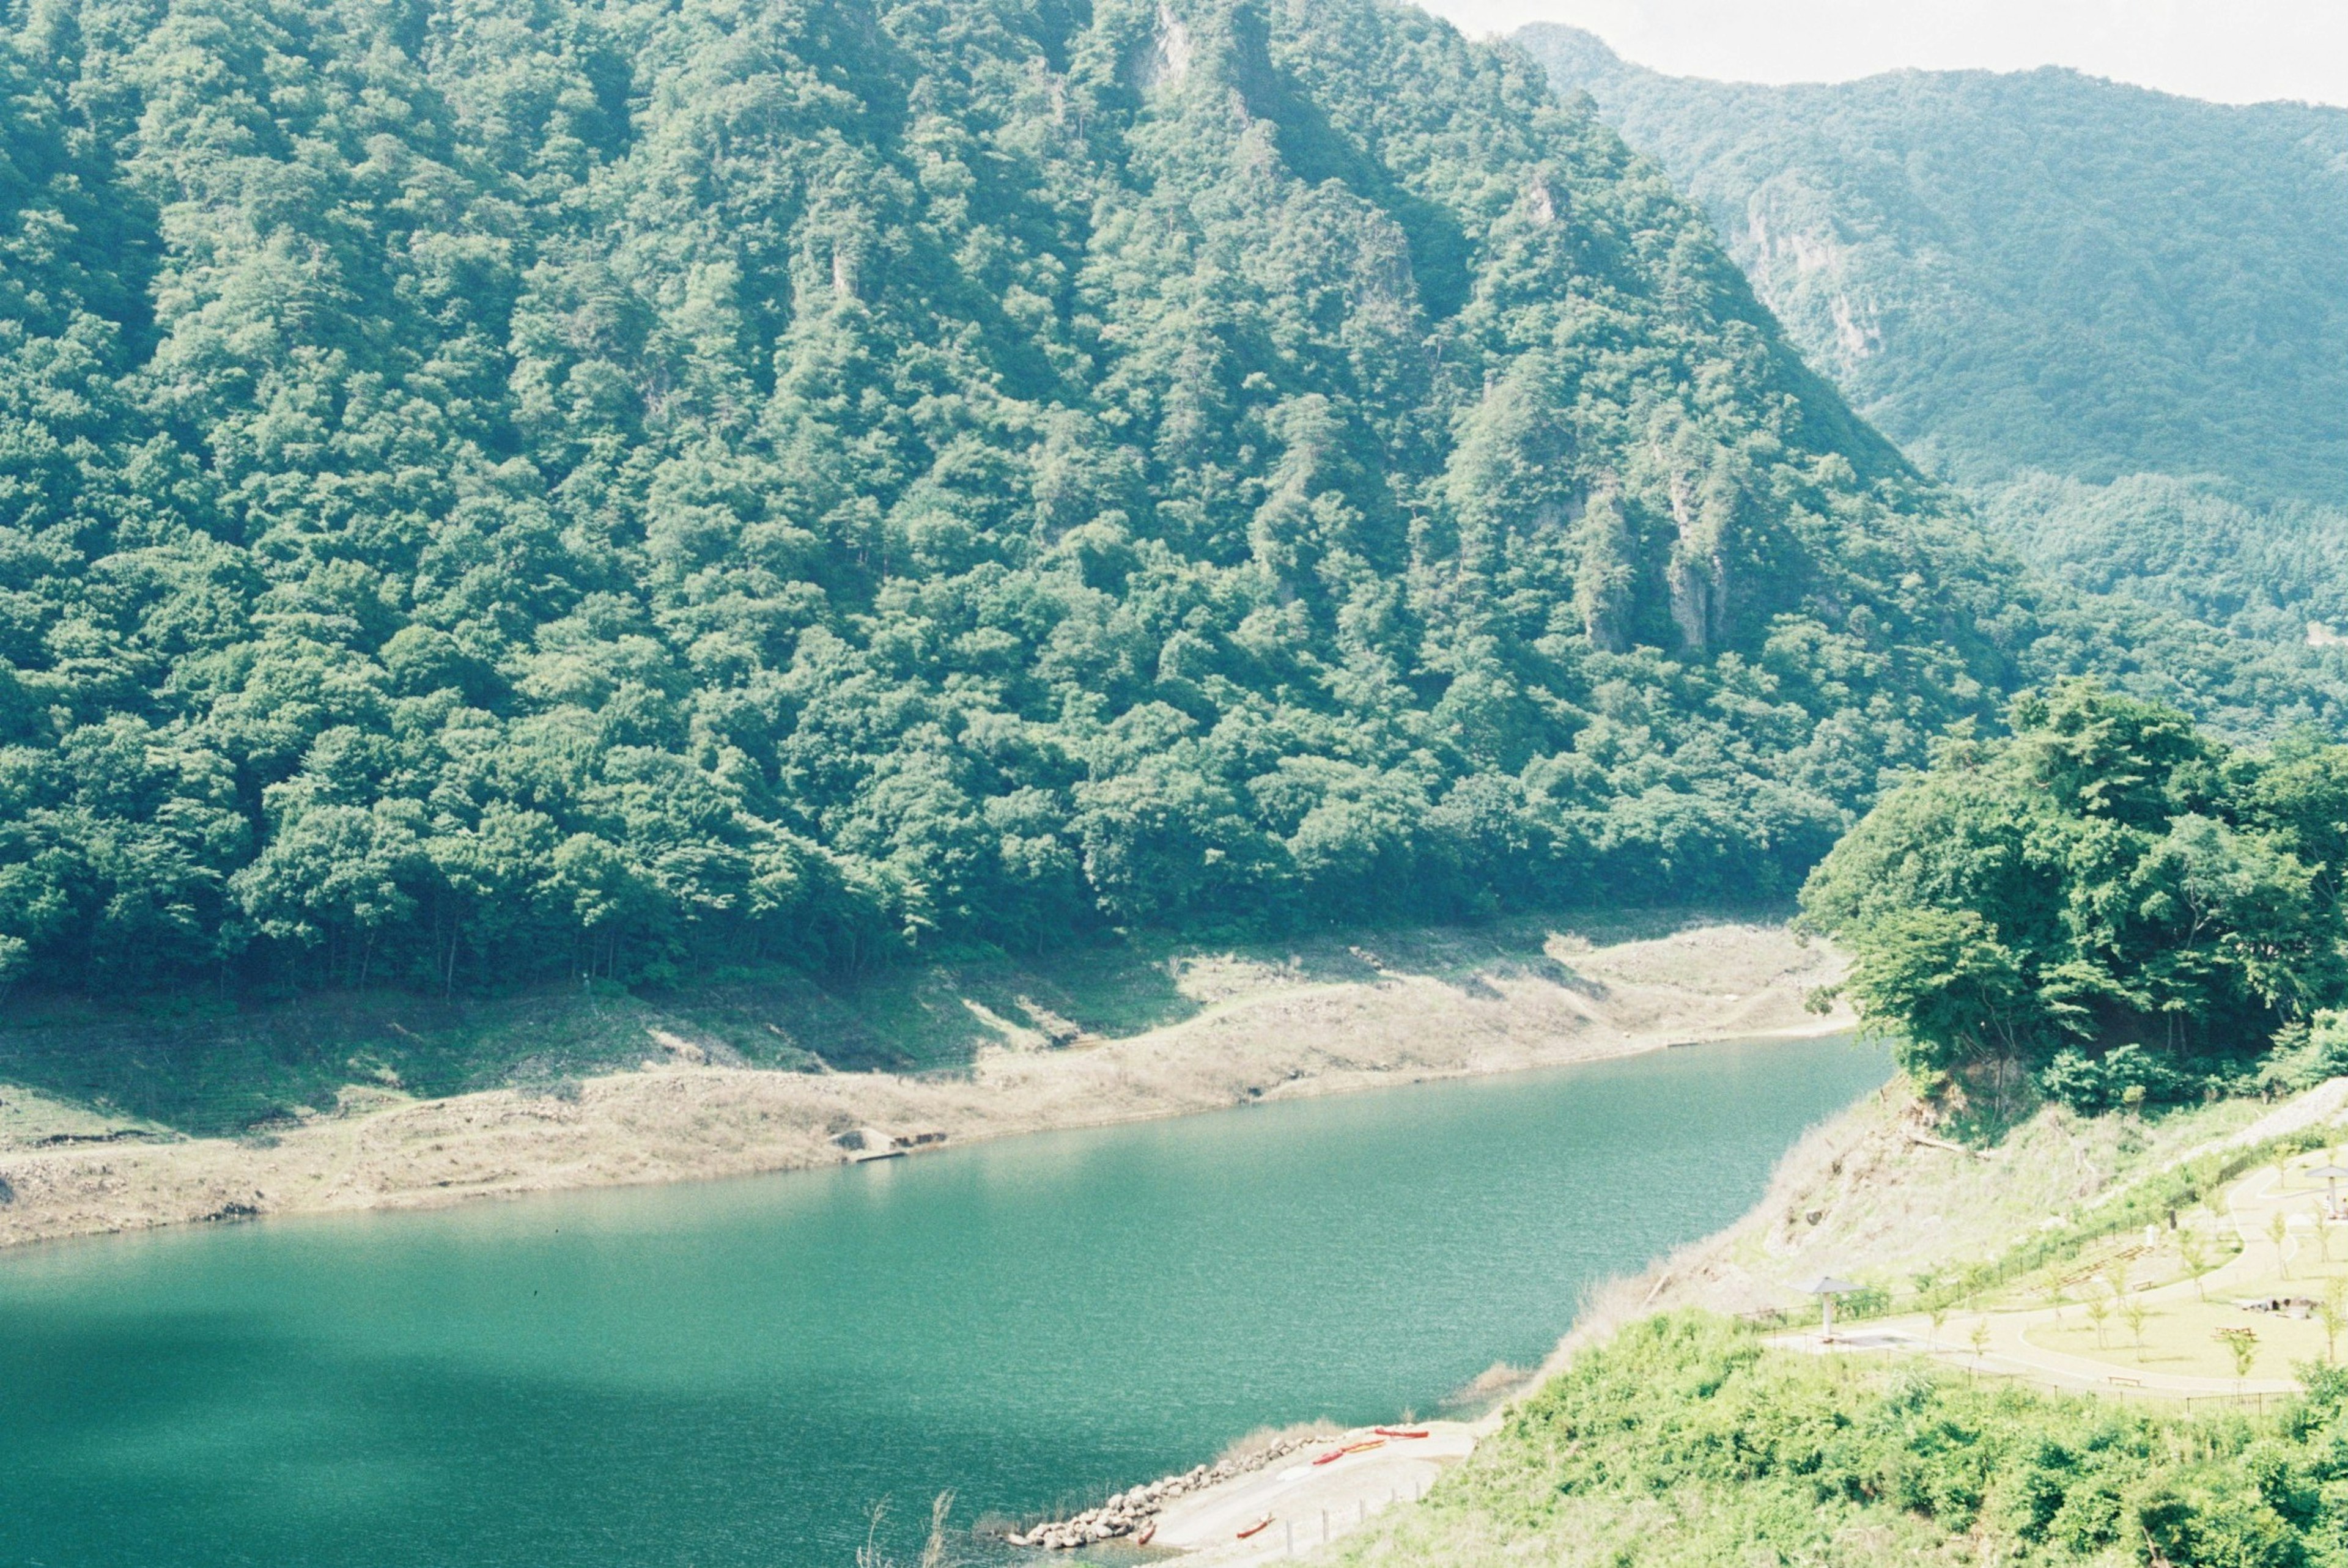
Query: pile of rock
pixel 1127 1511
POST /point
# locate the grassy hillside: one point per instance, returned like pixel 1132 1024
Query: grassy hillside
pixel 1685 1442
pixel 1671 1434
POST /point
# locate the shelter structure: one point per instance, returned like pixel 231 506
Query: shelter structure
pixel 1825 1287
pixel 2330 1176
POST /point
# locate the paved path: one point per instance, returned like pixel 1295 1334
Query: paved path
pixel 1310 1504
pixel 2008 1351
pixel 2009 1355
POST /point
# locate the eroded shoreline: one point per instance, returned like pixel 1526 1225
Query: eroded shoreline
pixel 678 1119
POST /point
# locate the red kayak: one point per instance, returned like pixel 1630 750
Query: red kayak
pixel 1397 1432
pixel 1334 1455
pixel 1258 1527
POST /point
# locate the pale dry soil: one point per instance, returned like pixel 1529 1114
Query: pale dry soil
pixel 1879 1196
pixel 1263 1032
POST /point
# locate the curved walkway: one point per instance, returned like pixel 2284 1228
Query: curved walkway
pixel 2007 1350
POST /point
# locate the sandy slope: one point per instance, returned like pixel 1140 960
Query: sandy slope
pixel 679 1119
pixel 1873 1195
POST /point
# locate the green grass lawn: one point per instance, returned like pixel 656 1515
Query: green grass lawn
pixel 2180 1326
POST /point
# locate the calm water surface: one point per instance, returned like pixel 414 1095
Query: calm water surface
pixel 729 1374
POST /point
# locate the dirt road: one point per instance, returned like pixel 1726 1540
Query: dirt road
pixel 1291 1509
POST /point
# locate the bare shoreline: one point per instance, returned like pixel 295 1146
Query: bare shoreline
pixel 678 1118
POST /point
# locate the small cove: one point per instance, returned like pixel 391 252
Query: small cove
pixel 731 1373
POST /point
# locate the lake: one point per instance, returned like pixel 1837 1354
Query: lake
pixel 732 1373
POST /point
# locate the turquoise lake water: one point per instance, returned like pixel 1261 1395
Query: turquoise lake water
pixel 730 1374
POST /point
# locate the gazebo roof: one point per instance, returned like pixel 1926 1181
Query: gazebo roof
pixel 2327 1173
pixel 1828 1284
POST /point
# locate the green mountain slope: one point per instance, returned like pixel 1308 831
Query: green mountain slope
pixel 497 490
pixel 2278 571
pixel 2039 270
pixel 2115 314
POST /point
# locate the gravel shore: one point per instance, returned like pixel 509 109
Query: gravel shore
pixel 680 1117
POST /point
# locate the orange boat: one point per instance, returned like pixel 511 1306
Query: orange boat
pixel 1397 1432
pixel 1258 1527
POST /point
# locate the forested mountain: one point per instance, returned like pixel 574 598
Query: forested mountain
pixel 2094 303
pixel 2277 570
pixel 2035 269
pixel 494 488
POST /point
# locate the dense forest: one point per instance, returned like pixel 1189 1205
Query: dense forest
pixel 2193 546
pixel 498 490
pixel 2114 315
pixel 2104 899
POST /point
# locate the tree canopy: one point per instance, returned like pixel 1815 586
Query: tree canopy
pixel 2106 896
pixel 2194 545
pixel 493 490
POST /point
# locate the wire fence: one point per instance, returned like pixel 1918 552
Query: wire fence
pixel 1317 1526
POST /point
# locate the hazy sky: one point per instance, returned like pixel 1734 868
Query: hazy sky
pixel 2238 51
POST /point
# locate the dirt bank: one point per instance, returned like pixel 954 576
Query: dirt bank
pixel 680 1115
pixel 1875 1195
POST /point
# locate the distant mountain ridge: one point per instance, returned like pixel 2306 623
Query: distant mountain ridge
pixel 2030 270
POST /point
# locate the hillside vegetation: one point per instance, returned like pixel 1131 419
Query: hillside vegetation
pixel 2191 546
pixel 609 489
pixel 2112 312
pixel 2035 269
pixel 499 492
pixel 2106 900
pixel 1665 1434
pixel 1684 1440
